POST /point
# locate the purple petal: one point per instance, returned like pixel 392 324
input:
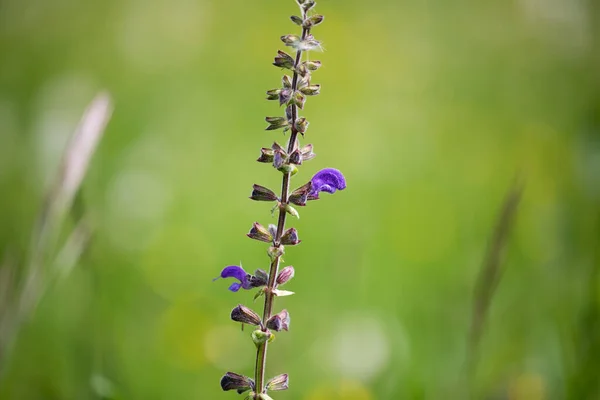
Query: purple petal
pixel 234 271
pixel 235 287
pixel 237 272
pixel 327 180
pixel 327 189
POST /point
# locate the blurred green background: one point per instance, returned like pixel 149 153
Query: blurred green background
pixel 430 108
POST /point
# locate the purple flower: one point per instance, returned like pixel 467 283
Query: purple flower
pixel 326 180
pixel 247 281
pixel 234 271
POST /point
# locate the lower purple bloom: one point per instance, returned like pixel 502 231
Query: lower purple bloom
pixel 237 272
pixel 327 180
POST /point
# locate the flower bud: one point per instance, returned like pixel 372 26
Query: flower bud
pixel 312 65
pixel 291 40
pixel 302 70
pixel 279 155
pixel 245 315
pixel 285 275
pixel 279 321
pixel 311 90
pixel 261 193
pixel 297 20
pixel 301 125
pixel 298 99
pixel 277 147
pixel 285 95
pixel 307 153
pixel 299 196
pixel 303 81
pixel 303 154
pixel 266 155
pixel 275 120
pixel 273 94
pixel 296 157
pixel 286 81
pixel 308 4
pixel 276 123
pixel 259 232
pixel 280 382
pixel 290 237
pixel 299 200
pixel 233 381
pixel 312 21
pixel 279 158
pixel 283 60
pixel 273 229
pixel 260 278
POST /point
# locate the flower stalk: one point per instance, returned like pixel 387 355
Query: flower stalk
pixel 292 95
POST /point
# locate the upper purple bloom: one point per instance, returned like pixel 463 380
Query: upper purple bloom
pixel 327 180
pixel 234 271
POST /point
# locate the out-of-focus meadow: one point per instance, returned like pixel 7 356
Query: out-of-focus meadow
pixel 431 109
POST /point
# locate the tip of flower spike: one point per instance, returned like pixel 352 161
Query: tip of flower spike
pixel 306 4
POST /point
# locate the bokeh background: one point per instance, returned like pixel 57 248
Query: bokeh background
pixel 431 109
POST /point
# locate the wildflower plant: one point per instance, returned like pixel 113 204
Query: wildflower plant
pixel 285 159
